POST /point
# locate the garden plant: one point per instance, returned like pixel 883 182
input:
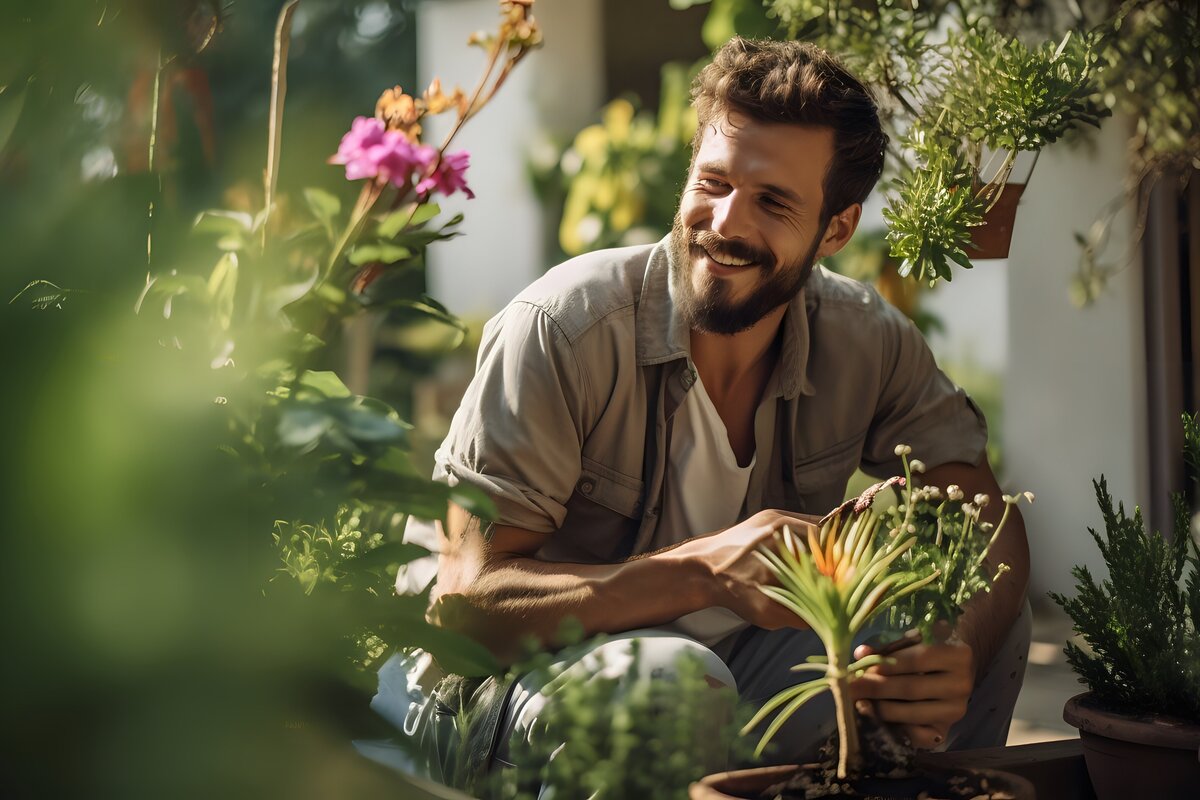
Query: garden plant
pixel 918 561
pixel 234 531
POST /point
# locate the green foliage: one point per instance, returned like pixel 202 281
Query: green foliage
pixel 920 561
pixel 1142 623
pixel 628 736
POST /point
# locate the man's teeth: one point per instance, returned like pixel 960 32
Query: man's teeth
pixel 730 261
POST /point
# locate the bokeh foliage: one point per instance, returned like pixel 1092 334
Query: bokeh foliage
pixel 208 516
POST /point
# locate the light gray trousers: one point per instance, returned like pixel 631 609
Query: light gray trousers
pixel 757 663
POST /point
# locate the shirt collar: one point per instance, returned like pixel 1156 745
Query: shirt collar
pixel 663 335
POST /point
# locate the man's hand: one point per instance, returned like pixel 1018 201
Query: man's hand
pixel 728 556
pixel 924 691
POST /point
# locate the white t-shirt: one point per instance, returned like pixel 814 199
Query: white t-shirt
pixel 705 493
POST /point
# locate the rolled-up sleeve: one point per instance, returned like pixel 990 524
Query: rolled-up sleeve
pixel 519 432
pixel 919 406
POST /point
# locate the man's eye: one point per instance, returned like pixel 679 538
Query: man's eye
pixel 711 183
pixel 770 201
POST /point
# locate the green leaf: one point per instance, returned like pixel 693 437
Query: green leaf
pixel 324 206
pixel 326 382
pixel 12 101
pixel 455 653
pixel 473 501
pixel 303 426
pixel 223 222
pixel 385 555
pixel 683 5
pixel 405 217
pixel 379 251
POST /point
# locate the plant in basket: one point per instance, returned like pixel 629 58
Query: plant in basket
pixel 914 564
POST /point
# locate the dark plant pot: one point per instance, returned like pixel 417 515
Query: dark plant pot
pixel 1136 756
pixel 751 783
pixel 992 239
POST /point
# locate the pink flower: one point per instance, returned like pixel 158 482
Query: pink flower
pixel 370 151
pixel 449 176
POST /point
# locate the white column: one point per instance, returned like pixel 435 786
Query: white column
pixel 556 89
pixel 1074 400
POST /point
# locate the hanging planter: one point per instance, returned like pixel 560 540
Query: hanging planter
pixel 993 237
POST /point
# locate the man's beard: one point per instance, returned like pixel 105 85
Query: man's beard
pixel 711 309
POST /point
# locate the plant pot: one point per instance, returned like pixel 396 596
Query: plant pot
pixel 1136 756
pixel 751 783
pixel 993 237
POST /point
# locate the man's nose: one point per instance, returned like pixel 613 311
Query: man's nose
pixel 729 216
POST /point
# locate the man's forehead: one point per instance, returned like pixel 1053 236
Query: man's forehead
pixel 783 153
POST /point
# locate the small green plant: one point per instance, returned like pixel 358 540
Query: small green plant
pixel 920 561
pixel 624 737
pixel 1141 624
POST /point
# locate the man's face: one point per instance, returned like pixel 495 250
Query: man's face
pixel 749 226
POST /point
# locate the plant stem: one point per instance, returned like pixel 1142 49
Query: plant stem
pixel 849 749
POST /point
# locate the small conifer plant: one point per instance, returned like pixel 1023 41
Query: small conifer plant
pixel 1141 624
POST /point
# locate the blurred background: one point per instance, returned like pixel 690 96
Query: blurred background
pixel 147 650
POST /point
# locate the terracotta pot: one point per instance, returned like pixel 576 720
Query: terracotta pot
pixel 991 240
pixel 1136 756
pixel 751 783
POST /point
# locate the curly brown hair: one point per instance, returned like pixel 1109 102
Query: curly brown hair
pixel 798 83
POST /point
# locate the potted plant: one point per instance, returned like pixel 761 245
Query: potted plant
pixel 1140 720
pixel 919 561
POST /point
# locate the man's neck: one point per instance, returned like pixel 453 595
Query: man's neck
pixel 741 362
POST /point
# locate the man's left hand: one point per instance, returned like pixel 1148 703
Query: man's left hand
pixel 923 689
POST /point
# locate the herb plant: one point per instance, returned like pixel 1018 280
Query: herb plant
pixel 920 561
pixel 1141 624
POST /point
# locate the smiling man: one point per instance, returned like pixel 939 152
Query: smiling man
pixel 645 418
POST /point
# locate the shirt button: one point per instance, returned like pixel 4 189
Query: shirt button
pixel 586 486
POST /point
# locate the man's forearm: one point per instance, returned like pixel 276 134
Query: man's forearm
pixel 515 598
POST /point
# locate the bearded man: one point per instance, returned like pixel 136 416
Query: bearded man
pixel 645 418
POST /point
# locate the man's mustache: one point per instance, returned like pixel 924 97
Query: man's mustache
pixel 722 248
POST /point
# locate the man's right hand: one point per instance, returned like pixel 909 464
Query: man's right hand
pixel 728 556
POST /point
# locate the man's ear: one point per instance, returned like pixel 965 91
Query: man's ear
pixel 840 228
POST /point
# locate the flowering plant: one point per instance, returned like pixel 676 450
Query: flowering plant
pixel 332 466
pixel 920 560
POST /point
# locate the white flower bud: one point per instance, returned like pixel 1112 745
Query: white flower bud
pixel 935 493
pixel 982 500
pixel 969 509
pixel 953 492
pixel 916 466
pixel 1029 497
pixel 902 450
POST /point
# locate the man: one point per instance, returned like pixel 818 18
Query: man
pixel 645 418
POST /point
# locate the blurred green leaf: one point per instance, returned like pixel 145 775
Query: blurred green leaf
pixel 12 101
pixel 402 218
pixel 382 252
pixel 325 382
pixel 324 206
pixel 224 223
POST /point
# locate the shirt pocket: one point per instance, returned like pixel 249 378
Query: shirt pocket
pixel 613 490
pixel 820 478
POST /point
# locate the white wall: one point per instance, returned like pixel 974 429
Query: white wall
pixel 1074 395
pixel 556 87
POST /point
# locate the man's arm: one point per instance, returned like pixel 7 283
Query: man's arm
pixel 927 688
pixel 493 589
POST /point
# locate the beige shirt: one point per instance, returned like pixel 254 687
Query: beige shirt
pixel 567 423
